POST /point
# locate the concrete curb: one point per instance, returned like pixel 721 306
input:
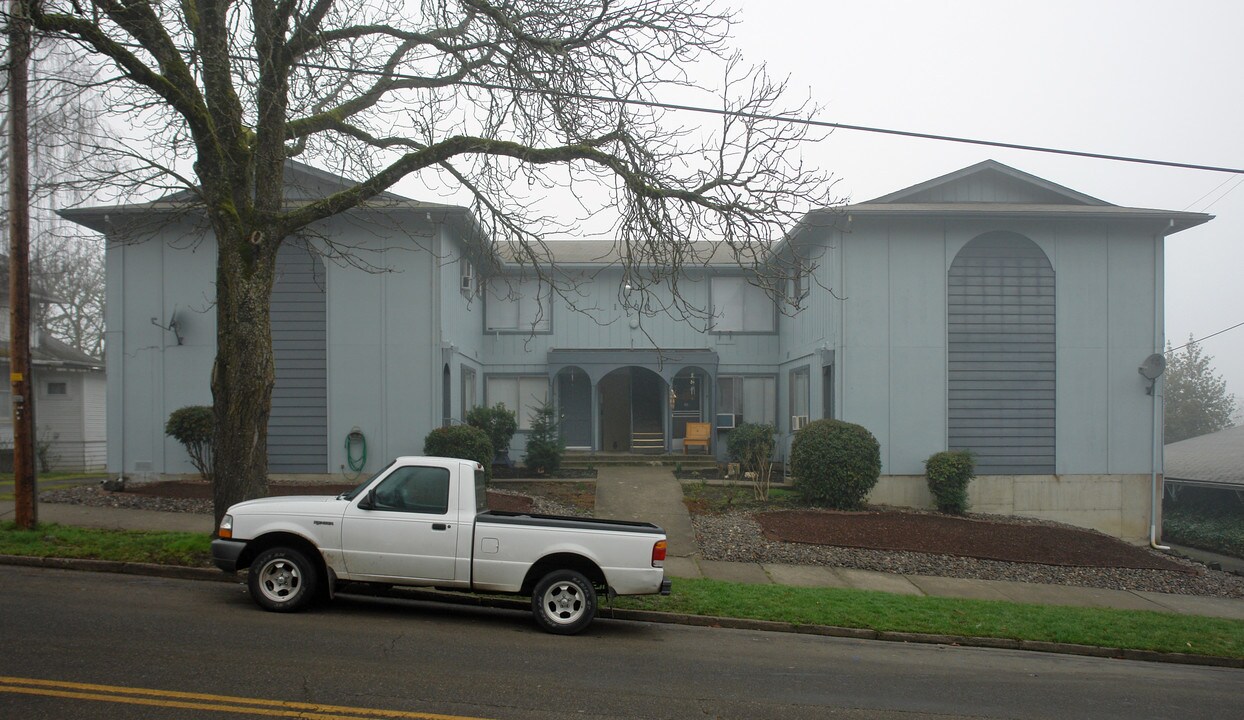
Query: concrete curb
pixel 212 575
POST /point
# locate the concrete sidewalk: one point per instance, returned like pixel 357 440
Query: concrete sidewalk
pixel 654 495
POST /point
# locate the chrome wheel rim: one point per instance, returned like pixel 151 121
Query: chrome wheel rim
pixel 564 603
pixel 280 580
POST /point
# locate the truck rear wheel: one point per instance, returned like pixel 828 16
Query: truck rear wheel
pixel 564 602
pixel 282 579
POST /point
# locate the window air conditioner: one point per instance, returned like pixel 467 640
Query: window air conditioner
pixel 797 422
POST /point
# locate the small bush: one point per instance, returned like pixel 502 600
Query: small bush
pixel 461 441
pixel 194 426
pixel 751 446
pixel 544 445
pixel 948 474
pixel 835 463
pixel 499 422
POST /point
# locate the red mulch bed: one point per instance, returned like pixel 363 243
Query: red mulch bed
pixel 946 535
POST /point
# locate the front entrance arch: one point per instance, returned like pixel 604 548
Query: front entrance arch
pixel 632 417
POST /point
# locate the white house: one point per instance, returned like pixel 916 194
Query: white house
pixel 69 397
pixel 986 309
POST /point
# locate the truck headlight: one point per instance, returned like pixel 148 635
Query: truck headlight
pixel 226 527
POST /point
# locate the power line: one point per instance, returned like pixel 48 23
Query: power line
pixel 788 119
pixel 655 104
pixel 1207 337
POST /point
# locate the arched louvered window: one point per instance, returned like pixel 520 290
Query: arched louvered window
pixel 1001 350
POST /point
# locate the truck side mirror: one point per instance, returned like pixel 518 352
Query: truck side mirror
pixel 369 501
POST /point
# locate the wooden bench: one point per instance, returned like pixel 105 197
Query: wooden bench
pixel 697 434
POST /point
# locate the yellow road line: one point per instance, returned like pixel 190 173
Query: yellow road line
pixel 204 701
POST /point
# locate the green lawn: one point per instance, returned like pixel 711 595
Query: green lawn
pixel 879 611
pixel 801 606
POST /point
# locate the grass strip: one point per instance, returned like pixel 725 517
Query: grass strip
pixel 63 541
pixel 1133 630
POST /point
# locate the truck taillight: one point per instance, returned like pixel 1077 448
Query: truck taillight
pixel 658 553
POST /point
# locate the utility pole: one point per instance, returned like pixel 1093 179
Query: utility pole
pixel 26 508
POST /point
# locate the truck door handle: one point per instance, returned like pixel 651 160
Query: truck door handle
pixel 439 526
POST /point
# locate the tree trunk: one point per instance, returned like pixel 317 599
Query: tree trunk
pixel 244 372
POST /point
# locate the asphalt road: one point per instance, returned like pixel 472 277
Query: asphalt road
pixel 88 645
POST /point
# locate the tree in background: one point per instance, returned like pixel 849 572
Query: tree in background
pixel 508 101
pixel 66 125
pixel 1195 397
pixel 70 269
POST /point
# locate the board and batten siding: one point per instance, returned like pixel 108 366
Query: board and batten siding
pixel 1001 355
pixel 298 424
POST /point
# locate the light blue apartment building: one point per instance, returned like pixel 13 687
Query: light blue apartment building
pixel 986 309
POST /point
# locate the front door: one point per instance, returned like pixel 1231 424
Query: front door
pixel 410 529
pixel 574 399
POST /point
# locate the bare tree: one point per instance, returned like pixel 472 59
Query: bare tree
pixel 509 99
pixel 65 125
pixel 70 271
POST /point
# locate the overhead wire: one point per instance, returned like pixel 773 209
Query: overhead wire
pixel 1207 337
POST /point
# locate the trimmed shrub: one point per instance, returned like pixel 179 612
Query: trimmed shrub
pixel 835 463
pixel 194 426
pixel 751 446
pixel 461 441
pixel 544 445
pixel 499 422
pixel 948 474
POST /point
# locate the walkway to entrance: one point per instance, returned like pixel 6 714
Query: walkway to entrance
pixel 649 494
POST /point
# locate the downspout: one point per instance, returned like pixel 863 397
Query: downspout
pixel 1156 390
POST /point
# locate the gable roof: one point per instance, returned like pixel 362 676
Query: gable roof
pixel 990 190
pixel 303 184
pixel 1214 460
pixel 989 181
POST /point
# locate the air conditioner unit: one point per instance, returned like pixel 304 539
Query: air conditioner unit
pixel 725 421
pixel 467 281
pixel 797 422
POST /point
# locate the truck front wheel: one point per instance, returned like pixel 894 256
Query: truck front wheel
pixel 564 602
pixel 282 580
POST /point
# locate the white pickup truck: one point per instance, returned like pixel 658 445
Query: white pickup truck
pixel 422 521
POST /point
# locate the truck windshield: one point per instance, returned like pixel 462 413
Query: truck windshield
pixel 353 493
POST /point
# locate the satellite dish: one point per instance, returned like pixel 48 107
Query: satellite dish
pixel 1153 366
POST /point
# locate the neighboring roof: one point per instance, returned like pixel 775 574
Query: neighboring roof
pixel 990 189
pixel 53 353
pixel 1215 460
pixel 304 184
pixel 569 253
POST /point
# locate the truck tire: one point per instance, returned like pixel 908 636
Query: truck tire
pixel 282 579
pixel 564 602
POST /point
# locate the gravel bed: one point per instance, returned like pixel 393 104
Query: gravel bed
pixel 95 496
pixel 737 537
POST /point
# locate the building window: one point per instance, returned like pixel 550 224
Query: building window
pixel 522 394
pixel 57 388
pixel 748 399
pixel 799 388
pixel 518 305
pixel 799 281
pixel 468 391
pixel 466 281
pixel 739 306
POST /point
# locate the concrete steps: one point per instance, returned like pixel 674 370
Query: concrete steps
pixel 582 459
